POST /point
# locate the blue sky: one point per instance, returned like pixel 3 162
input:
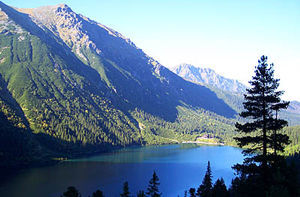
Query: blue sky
pixel 226 35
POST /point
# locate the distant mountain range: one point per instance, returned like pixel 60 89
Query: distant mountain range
pixel 207 76
pixel 229 90
pixel 294 107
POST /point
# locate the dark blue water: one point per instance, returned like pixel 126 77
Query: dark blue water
pixel 178 167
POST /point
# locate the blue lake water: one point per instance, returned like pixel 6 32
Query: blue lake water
pixel 178 167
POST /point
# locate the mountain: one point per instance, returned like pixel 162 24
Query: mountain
pixel 72 86
pixel 294 107
pixel 230 90
pixel 292 113
pixel 207 76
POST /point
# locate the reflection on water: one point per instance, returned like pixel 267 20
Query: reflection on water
pixel 179 167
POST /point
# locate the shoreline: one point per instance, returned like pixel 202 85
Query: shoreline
pixel 201 142
pixel 56 160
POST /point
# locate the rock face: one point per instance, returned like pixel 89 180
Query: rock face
pixel 65 24
pixel 207 76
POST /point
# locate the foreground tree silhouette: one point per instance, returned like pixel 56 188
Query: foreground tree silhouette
pixel 205 188
pixel 192 192
pixel 71 192
pixel 260 137
pixel 219 189
pixel 141 193
pixel 152 189
pixel 126 192
pixel 98 193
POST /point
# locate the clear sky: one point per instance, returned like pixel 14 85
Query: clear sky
pixel 226 35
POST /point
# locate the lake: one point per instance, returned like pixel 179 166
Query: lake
pixel 178 167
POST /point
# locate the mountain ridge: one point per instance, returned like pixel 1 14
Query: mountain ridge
pixel 118 51
pixel 230 90
pixel 83 87
pixel 208 76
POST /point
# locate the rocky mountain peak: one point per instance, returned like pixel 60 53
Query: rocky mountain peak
pixel 63 7
pixel 75 30
pixel 65 25
pixel 207 76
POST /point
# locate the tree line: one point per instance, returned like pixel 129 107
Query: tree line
pixel 241 186
pixel 152 190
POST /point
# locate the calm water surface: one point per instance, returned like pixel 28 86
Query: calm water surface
pixel 178 167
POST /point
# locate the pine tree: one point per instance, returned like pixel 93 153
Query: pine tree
pixel 152 189
pixel 192 192
pixel 126 192
pixel 205 188
pixel 185 193
pixel 71 192
pixel 262 102
pixel 279 140
pixel 98 193
pixel 219 189
pixel 141 193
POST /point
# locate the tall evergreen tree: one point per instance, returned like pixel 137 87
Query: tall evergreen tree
pixel 71 192
pixel 219 189
pixel 141 193
pixel 152 189
pixel 185 193
pixel 205 188
pixel 262 102
pixel 126 192
pixel 98 193
pixel 278 140
pixel 192 192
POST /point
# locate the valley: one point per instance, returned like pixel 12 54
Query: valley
pixel 71 87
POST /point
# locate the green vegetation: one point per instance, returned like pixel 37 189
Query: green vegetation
pixel 205 189
pixel 264 171
pixel 57 103
pixel 71 192
pixel 262 103
pixel 294 136
pixel 126 192
pixel 67 104
pixel 152 189
pixel 72 104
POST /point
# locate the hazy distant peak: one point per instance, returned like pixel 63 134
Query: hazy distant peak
pixel 208 76
pixel 194 68
pixel 294 107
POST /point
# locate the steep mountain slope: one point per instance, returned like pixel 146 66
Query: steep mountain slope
pixel 231 91
pixel 292 113
pixel 58 95
pixel 135 77
pixel 75 86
